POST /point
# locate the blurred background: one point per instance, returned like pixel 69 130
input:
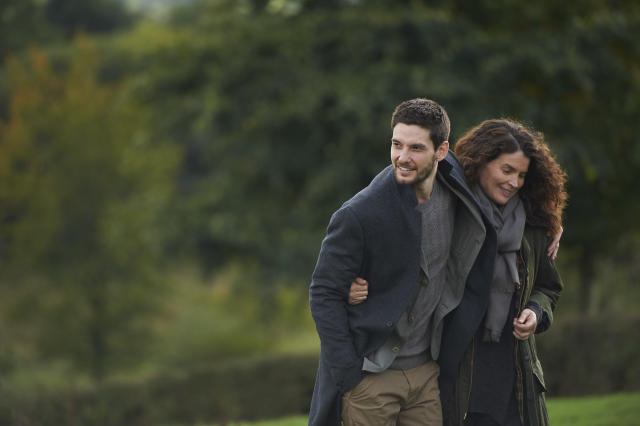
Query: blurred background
pixel 168 170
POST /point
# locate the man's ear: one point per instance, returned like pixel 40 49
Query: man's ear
pixel 442 151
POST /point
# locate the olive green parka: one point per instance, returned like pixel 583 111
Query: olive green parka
pixel 542 284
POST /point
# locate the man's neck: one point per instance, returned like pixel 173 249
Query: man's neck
pixel 423 189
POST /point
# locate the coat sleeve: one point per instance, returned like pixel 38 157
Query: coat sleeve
pixel 339 263
pixel 547 284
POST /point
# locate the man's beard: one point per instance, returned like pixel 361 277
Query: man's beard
pixel 423 174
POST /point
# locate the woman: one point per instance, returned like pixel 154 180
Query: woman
pixel 520 189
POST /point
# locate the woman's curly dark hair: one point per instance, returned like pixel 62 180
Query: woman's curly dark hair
pixel 543 193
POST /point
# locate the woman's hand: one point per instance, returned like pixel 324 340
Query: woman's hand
pixel 358 291
pixel 552 251
pixel 525 325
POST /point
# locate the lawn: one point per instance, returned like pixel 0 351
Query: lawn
pixel 610 410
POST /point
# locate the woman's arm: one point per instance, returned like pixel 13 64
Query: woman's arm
pixel 358 291
pixel 546 290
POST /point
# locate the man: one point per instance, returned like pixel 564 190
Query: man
pixel 377 361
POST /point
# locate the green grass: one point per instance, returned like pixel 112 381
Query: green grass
pixel 610 410
pixel 285 421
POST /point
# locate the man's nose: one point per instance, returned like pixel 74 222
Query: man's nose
pixel 404 155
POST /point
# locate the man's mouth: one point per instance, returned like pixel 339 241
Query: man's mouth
pixel 404 169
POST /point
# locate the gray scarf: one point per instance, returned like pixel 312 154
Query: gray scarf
pixel 508 221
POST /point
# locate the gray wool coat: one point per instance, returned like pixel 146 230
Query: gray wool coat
pixel 376 235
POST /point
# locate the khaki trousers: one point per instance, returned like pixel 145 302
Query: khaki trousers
pixel 395 397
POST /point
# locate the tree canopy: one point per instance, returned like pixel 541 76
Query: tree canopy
pixel 81 188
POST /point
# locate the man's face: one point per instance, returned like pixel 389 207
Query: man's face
pixel 412 154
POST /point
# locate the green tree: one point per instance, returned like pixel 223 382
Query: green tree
pixel 95 16
pixel 82 187
pixel 579 82
pixel 279 132
pixel 22 22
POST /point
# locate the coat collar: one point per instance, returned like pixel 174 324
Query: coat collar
pixel 451 169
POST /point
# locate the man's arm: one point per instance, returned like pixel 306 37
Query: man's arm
pixel 552 250
pixel 339 262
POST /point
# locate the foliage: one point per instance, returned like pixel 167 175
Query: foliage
pixel 213 393
pixel 577 357
pixel 95 16
pixel 279 133
pixel 217 320
pixel 238 392
pixel 266 115
pixel 81 186
pixel 278 137
pixel 24 23
pixel 579 82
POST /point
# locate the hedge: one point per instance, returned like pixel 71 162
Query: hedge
pixel 579 355
pixel 242 390
pixel 591 355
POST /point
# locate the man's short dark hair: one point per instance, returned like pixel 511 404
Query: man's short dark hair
pixel 427 114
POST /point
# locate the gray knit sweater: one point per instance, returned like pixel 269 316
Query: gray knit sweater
pixel 408 346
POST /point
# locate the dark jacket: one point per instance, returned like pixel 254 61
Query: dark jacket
pixel 542 285
pixel 376 235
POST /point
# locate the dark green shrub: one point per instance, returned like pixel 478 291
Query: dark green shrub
pixel 580 356
pixel 241 390
pixel 591 355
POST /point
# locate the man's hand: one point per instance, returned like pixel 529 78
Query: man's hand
pixel 358 291
pixel 525 325
pixel 552 251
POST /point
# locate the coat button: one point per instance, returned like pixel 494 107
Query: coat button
pixel 395 349
pixel 389 323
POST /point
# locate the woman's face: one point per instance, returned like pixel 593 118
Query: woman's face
pixel 501 178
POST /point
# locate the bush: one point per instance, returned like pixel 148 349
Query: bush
pixel 591 355
pixel 241 390
pixel 580 356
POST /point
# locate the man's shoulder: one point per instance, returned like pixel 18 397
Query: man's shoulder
pixel 381 187
pixel 378 204
pixel 451 170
